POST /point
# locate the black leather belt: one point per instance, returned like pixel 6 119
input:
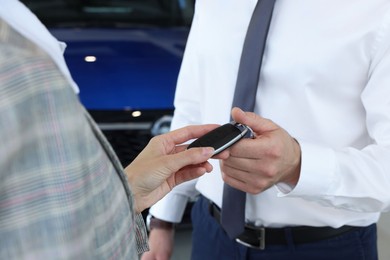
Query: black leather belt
pixel 259 237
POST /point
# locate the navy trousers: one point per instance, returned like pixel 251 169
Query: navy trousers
pixel 209 241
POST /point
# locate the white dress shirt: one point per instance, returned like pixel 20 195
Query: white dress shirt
pixel 325 79
pixel 30 27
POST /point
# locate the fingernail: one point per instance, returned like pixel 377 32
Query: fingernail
pixel 208 151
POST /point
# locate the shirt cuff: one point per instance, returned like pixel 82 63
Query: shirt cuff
pixel 171 208
pixel 317 172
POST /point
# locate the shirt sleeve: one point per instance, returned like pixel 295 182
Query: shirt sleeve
pixel 356 179
pixel 171 208
pixel 187 111
pixel 141 235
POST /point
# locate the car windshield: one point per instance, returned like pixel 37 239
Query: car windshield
pixel 109 13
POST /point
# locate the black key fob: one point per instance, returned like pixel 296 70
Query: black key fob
pixel 223 137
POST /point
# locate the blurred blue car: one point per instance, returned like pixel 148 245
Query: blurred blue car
pixel 125 56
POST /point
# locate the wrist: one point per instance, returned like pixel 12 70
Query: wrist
pixel 155 223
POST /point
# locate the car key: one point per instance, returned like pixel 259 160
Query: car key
pixel 223 137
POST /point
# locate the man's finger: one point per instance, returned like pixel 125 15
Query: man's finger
pixel 257 123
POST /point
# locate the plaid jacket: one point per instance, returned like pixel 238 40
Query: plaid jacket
pixel 63 193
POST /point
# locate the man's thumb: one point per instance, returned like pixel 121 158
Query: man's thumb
pixel 257 123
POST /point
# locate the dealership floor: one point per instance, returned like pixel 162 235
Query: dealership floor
pixel 183 241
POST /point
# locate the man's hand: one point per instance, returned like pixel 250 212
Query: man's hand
pixel 161 244
pixel 254 165
pixel 165 163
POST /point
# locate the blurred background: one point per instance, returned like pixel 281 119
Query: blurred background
pixel 125 56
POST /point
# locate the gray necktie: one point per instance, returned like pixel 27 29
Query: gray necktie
pixel 233 204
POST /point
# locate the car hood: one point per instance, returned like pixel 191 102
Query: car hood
pixel 133 68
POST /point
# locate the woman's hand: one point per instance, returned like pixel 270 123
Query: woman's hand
pixel 165 163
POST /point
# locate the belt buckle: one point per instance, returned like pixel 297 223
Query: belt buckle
pixel 261 238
